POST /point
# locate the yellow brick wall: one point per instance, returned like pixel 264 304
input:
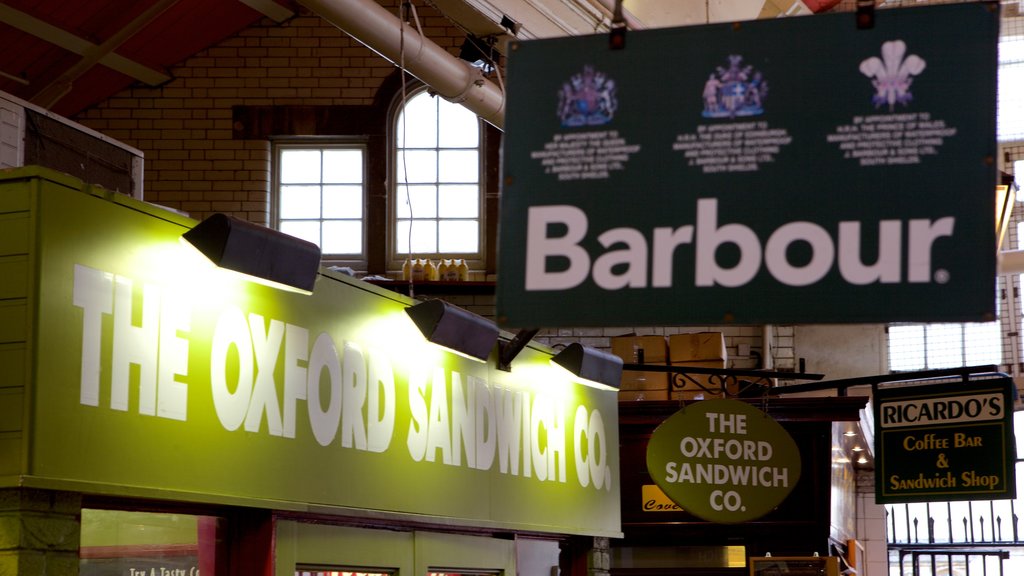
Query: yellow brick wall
pixel 184 128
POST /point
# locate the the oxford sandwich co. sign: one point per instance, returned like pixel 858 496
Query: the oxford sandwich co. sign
pixel 719 174
pixel 723 461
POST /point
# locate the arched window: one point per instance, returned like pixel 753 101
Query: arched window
pixel 436 207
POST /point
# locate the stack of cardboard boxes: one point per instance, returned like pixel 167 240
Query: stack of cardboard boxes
pixel 701 349
pixel 637 385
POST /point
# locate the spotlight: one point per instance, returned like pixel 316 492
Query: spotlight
pixel 455 328
pixel 591 366
pixel 257 251
pixel 472 51
pixel 511 25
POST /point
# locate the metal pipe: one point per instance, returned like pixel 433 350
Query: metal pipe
pixel 453 79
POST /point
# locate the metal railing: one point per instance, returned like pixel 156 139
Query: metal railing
pixel 953 538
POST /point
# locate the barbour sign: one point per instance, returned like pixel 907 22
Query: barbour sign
pixel 794 170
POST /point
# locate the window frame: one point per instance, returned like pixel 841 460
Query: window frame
pixel 476 261
pixel 278 145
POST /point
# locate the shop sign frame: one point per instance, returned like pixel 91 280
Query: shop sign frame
pixel 723 460
pixel 147 371
pixel 945 442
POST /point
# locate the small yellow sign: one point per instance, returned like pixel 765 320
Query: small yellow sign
pixel 654 500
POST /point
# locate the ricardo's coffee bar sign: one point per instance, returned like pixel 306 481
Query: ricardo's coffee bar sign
pixel 945 442
pixel 783 171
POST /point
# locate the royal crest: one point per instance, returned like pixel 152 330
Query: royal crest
pixel 735 90
pixel 587 99
pixel 892 74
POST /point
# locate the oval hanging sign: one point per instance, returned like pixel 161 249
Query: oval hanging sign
pixel 723 460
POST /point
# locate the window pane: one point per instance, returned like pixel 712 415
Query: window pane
pixel 343 201
pixel 1010 105
pixel 343 166
pixel 458 236
pixel 945 345
pixel 343 237
pixel 422 198
pixel 424 237
pixel 417 166
pixel 459 166
pixel 459 202
pixel 421 131
pixel 303 229
pixel 461 127
pixel 437 175
pixel 300 202
pixel 115 541
pixel 300 166
pixel 906 348
pixel 982 344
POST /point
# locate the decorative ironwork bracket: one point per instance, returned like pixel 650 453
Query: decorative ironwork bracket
pixel 756 383
pixel 727 382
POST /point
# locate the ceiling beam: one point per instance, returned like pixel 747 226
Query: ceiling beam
pixel 59 87
pixel 270 9
pixel 71 43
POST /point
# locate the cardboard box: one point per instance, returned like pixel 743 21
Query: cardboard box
pixel 640 395
pixel 697 346
pixel 655 351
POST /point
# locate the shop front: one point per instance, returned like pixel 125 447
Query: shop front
pixel 813 520
pixel 165 417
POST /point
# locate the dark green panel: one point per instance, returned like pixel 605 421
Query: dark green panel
pixel 945 442
pixel 770 134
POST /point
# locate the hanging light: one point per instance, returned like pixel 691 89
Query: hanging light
pixel 454 328
pixel 592 366
pixel 257 251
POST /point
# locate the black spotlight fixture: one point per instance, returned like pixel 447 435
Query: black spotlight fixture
pixel 257 251
pixel 454 328
pixel 479 52
pixel 590 365
pixel 511 25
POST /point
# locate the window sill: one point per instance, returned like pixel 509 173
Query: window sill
pixel 437 287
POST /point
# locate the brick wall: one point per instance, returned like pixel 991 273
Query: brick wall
pixel 194 163
pixel 185 129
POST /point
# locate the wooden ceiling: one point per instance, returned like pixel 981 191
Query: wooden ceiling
pixel 66 56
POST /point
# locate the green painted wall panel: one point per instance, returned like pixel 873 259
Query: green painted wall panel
pixel 12 361
pixel 17 197
pixel 12 407
pixel 12 402
pixel 434 552
pixel 325 546
pixel 14 233
pixel 13 321
pixel 13 277
pixel 10 457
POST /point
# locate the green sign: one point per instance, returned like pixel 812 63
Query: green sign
pixel 156 374
pixel 786 170
pixel 723 460
pixel 945 442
